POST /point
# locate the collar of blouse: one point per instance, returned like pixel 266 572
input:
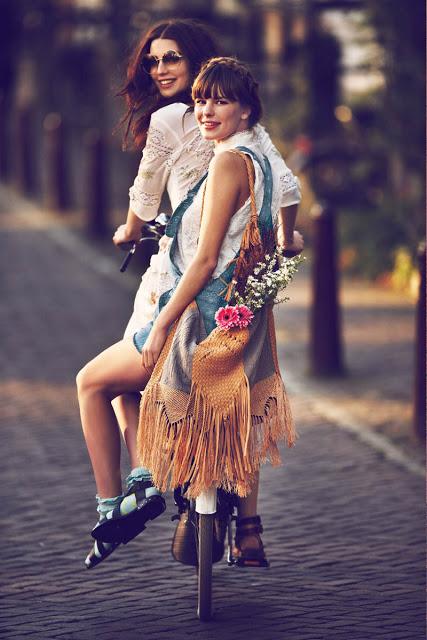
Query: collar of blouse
pixel 242 138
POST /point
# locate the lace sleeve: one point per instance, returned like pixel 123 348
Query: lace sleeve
pixel 146 192
pixel 289 184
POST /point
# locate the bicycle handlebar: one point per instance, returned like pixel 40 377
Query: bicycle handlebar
pixel 156 230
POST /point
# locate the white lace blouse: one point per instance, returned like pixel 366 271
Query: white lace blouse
pixel 188 232
pixel 176 156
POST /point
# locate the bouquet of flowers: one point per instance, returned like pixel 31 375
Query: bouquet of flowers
pixel 269 277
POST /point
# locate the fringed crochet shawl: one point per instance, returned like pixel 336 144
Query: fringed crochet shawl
pixel 215 406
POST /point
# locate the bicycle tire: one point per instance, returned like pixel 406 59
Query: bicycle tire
pixel 204 595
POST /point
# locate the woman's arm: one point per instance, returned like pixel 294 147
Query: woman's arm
pixel 289 184
pixel 288 238
pixel 290 195
pixel 130 231
pixel 286 226
pixel 163 138
pixel 226 189
pixel 146 192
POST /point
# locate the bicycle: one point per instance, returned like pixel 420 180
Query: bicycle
pixel 203 510
pixel 210 517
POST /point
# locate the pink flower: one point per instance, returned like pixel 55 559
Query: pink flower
pixel 245 315
pixel 227 317
pixel 238 316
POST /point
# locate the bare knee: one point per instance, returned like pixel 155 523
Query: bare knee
pixel 127 402
pixel 88 381
pixel 126 408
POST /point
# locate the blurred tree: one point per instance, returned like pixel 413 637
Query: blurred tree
pixel 322 52
pixel 395 140
pixel 10 31
pixel 401 31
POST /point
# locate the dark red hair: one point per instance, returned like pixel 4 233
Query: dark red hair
pixel 142 97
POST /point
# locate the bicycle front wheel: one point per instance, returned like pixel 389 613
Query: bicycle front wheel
pixel 204 605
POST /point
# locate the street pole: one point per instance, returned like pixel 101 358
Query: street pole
pixel 420 351
pixel 96 209
pixel 57 195
pixel 325 352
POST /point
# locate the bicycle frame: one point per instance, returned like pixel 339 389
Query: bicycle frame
pixel 206 502
pixel 206 505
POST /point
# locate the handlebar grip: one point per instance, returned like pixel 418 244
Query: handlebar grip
pixel 127 259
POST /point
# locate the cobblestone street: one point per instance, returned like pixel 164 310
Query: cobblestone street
pixel 344 522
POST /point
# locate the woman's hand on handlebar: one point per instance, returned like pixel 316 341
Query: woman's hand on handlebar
pixel 123 235
pixel 295 247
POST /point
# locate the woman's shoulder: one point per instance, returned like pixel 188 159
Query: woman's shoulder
pixel 170 116
pixel 228 163
pixel 227 160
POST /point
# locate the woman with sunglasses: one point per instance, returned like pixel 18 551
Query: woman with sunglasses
pixel 175 156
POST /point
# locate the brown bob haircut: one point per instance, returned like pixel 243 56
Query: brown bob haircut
pixel 230 79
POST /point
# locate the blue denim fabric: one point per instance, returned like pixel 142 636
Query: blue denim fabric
pixel 211 297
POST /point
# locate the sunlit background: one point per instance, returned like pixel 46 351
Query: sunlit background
pixel 343 81
pixel 343 87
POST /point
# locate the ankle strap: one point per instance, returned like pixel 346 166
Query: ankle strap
pixel 250 531
pixel 254 528
pixel 251 520
pixel 139 485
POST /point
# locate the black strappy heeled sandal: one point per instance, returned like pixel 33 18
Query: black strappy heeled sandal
pixel 251 557
pixel 124 527
pixel 99 552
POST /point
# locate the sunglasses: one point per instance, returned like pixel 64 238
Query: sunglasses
pixel 170 58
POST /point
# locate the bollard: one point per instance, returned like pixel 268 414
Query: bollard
pixel 25 177
pixel 4 151
pixel 96 212
pixel 325 353
pixel 57 193
pixel 420 351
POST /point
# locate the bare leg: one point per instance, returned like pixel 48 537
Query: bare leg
pixel 126 408
pixel 248 505
pixel 247 508
pixel 115 371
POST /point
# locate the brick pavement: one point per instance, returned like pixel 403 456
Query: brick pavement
pixel 344 525
pixel 375 396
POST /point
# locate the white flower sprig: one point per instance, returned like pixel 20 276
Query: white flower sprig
pixel 270 276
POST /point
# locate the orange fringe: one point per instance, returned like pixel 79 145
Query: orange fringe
pixel 223 431
pixel 215 449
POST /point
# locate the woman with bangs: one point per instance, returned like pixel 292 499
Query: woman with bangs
pixel 201 254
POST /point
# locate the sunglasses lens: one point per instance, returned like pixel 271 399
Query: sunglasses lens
pixel 148 62
pixel 171 57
